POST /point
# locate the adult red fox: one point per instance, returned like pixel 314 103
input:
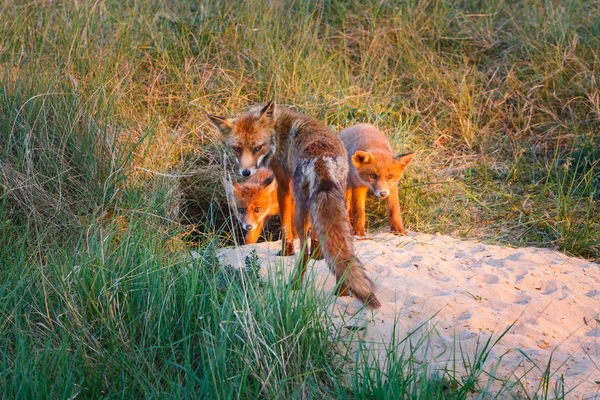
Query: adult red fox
pixel 308 158
pixel 373 167
pixel 255 202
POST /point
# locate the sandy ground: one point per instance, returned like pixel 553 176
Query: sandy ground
pixel 457 293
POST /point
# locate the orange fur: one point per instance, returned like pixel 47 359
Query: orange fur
pixel 255 202
pixel 373 167
pixel 309 159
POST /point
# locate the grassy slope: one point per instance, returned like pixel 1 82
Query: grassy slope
pixel 500 101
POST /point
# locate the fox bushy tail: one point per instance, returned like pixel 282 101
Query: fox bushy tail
pixel 328 211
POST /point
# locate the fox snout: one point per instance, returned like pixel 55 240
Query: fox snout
pixel 380 188
pixel 248 165
pixel 248 224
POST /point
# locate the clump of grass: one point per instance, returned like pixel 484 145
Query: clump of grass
pixel 123 315
pixel 60 163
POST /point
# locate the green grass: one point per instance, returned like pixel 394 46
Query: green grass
pixel 102 108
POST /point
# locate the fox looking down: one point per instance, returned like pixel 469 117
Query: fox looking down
pixel 373 167
pixel 309 159
pixel 255 201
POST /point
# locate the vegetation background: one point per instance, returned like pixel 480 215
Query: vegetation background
pixel 104 145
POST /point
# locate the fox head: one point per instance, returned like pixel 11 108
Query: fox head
pixel 380 171
pixel 253 201
pixel 251 137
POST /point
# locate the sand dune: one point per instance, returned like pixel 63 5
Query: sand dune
pixel 460 292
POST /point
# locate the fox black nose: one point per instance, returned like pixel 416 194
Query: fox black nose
pixel 383 194
pixel 246 172
pixel 248 227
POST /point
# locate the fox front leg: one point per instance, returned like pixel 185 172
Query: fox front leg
pixel 394 215
pixel 359 198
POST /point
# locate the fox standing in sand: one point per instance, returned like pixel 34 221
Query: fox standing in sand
pixel 373 166
pixel 255 201
pixel 307 156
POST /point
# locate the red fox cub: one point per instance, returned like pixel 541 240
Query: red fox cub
pixel 373 167
pixel 255 202
pixel 308 158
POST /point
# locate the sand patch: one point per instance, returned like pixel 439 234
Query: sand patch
pixel 461 292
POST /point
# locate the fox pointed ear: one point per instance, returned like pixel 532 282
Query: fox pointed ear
pixel 360 158
pixel 267 182
pixel 267 115
pixel 223 124
pixel 404 159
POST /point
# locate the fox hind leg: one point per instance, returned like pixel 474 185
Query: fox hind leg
pixel 341 288
pixel 315 248
pixel 284 198
pixel 302 223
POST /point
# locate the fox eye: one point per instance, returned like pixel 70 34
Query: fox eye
pixel 236 149
pixel 258 148
pixel 390 176
pixel 257 209
pixel 373 176
pixel 241 210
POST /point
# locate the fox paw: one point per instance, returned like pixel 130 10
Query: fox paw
pixel 399 232
pixel 296 282
pixel 316 254
pixel 288 251
pixel 284 254
pixel 342 291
